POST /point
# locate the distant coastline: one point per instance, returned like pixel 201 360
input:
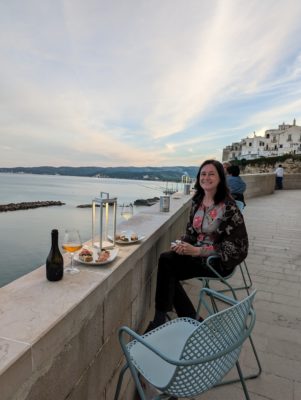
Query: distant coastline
pixel 172 174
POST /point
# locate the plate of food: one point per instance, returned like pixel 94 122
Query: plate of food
pixel 127 237
pixel 91 256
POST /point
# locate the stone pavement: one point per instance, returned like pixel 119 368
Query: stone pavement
pixel 274 261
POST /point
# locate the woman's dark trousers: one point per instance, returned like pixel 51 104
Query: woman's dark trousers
pixel 172 269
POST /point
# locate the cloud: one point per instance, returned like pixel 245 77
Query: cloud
pixel 143 82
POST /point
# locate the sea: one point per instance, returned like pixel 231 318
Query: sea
pixel 25 235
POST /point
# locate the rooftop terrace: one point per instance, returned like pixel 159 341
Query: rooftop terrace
pixel 274 261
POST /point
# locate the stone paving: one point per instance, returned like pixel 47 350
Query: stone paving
pixel 274 261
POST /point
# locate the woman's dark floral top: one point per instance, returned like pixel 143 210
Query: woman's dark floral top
pixel 220 229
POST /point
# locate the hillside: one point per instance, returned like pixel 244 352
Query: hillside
pixel 140 173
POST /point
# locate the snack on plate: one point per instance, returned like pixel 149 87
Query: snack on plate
pixel 134 236
pixel 103 256
pixel 123 237
pixel 86 255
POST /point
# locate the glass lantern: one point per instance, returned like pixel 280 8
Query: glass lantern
pixel 105 222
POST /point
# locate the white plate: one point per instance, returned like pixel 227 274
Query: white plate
pixel 113 255
pixel 127 242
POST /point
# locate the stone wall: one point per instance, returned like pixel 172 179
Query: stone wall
pixel 292 181
pixel 59 340
pixel 259 185
pixel 262 184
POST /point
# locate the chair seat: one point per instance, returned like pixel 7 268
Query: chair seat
pixel 170 339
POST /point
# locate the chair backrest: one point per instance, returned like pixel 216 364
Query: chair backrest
pixel 240 204
pixel 223 333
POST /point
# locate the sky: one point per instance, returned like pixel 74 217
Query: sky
pixel 143 82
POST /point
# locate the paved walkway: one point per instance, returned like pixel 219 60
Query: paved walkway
pixel 274 261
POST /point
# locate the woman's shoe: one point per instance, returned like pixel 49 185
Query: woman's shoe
pixel 150 327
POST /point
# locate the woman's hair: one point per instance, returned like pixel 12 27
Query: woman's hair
pixel 222 190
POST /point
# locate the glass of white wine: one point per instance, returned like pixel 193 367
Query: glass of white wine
pixel 72 243
pixel 127 211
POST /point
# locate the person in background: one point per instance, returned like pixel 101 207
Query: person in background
pixel 235 183
pixel 279 172
pixel 226 165
pixel 215 227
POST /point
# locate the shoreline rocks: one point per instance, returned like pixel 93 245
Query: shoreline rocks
pixel 138 202
pixel 146 202
pixel 28 205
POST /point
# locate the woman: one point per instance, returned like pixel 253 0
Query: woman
pixel 215 227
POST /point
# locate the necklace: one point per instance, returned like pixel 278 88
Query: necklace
pixel 208 203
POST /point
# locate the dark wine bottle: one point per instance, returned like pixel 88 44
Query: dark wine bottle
pixel 54 261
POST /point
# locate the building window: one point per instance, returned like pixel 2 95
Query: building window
pixel 250 144
pixel 267 135
pixel 280 146
pixel 289 138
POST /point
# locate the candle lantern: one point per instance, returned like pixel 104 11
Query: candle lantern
pixel 104 202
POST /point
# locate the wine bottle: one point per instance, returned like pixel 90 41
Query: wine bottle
pixel 54 261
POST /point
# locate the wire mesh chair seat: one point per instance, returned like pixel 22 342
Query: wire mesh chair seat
pixel 185 357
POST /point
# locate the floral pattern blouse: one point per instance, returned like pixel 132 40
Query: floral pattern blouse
pixel 205 223
pixel 220 229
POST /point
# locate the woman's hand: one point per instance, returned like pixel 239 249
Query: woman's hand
pixel 186 249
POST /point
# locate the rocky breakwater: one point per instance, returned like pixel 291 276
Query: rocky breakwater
pixel 28 205
pixel 146 202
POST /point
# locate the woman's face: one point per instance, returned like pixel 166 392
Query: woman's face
pixel 209 178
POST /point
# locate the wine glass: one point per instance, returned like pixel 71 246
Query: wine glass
pixel 127 211
pixel 71 243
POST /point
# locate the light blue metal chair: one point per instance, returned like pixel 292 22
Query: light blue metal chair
pixel 240 204
pixel 185 357
pixel 243 266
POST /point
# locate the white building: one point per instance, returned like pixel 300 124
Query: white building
pixel 276 142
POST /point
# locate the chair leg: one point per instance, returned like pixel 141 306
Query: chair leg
pixel 253 376
pixel 246 280
pixel 249 277
pixel 137 382
pixel 242 380
pixel 119 383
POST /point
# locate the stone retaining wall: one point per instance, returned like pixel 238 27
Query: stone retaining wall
pixel 58 340
pixel 292 181
pixel 259 185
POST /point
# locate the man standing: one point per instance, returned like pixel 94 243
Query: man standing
pixel 279 177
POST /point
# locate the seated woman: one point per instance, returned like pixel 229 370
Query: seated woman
pixel 215 227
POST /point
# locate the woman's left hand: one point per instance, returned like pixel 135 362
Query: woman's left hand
pixel 186 249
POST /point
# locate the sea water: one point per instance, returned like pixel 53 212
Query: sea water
pixel 25 234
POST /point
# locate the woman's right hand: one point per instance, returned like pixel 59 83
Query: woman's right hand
pixel 184 248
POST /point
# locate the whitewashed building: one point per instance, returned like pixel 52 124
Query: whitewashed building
pixel 286 139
